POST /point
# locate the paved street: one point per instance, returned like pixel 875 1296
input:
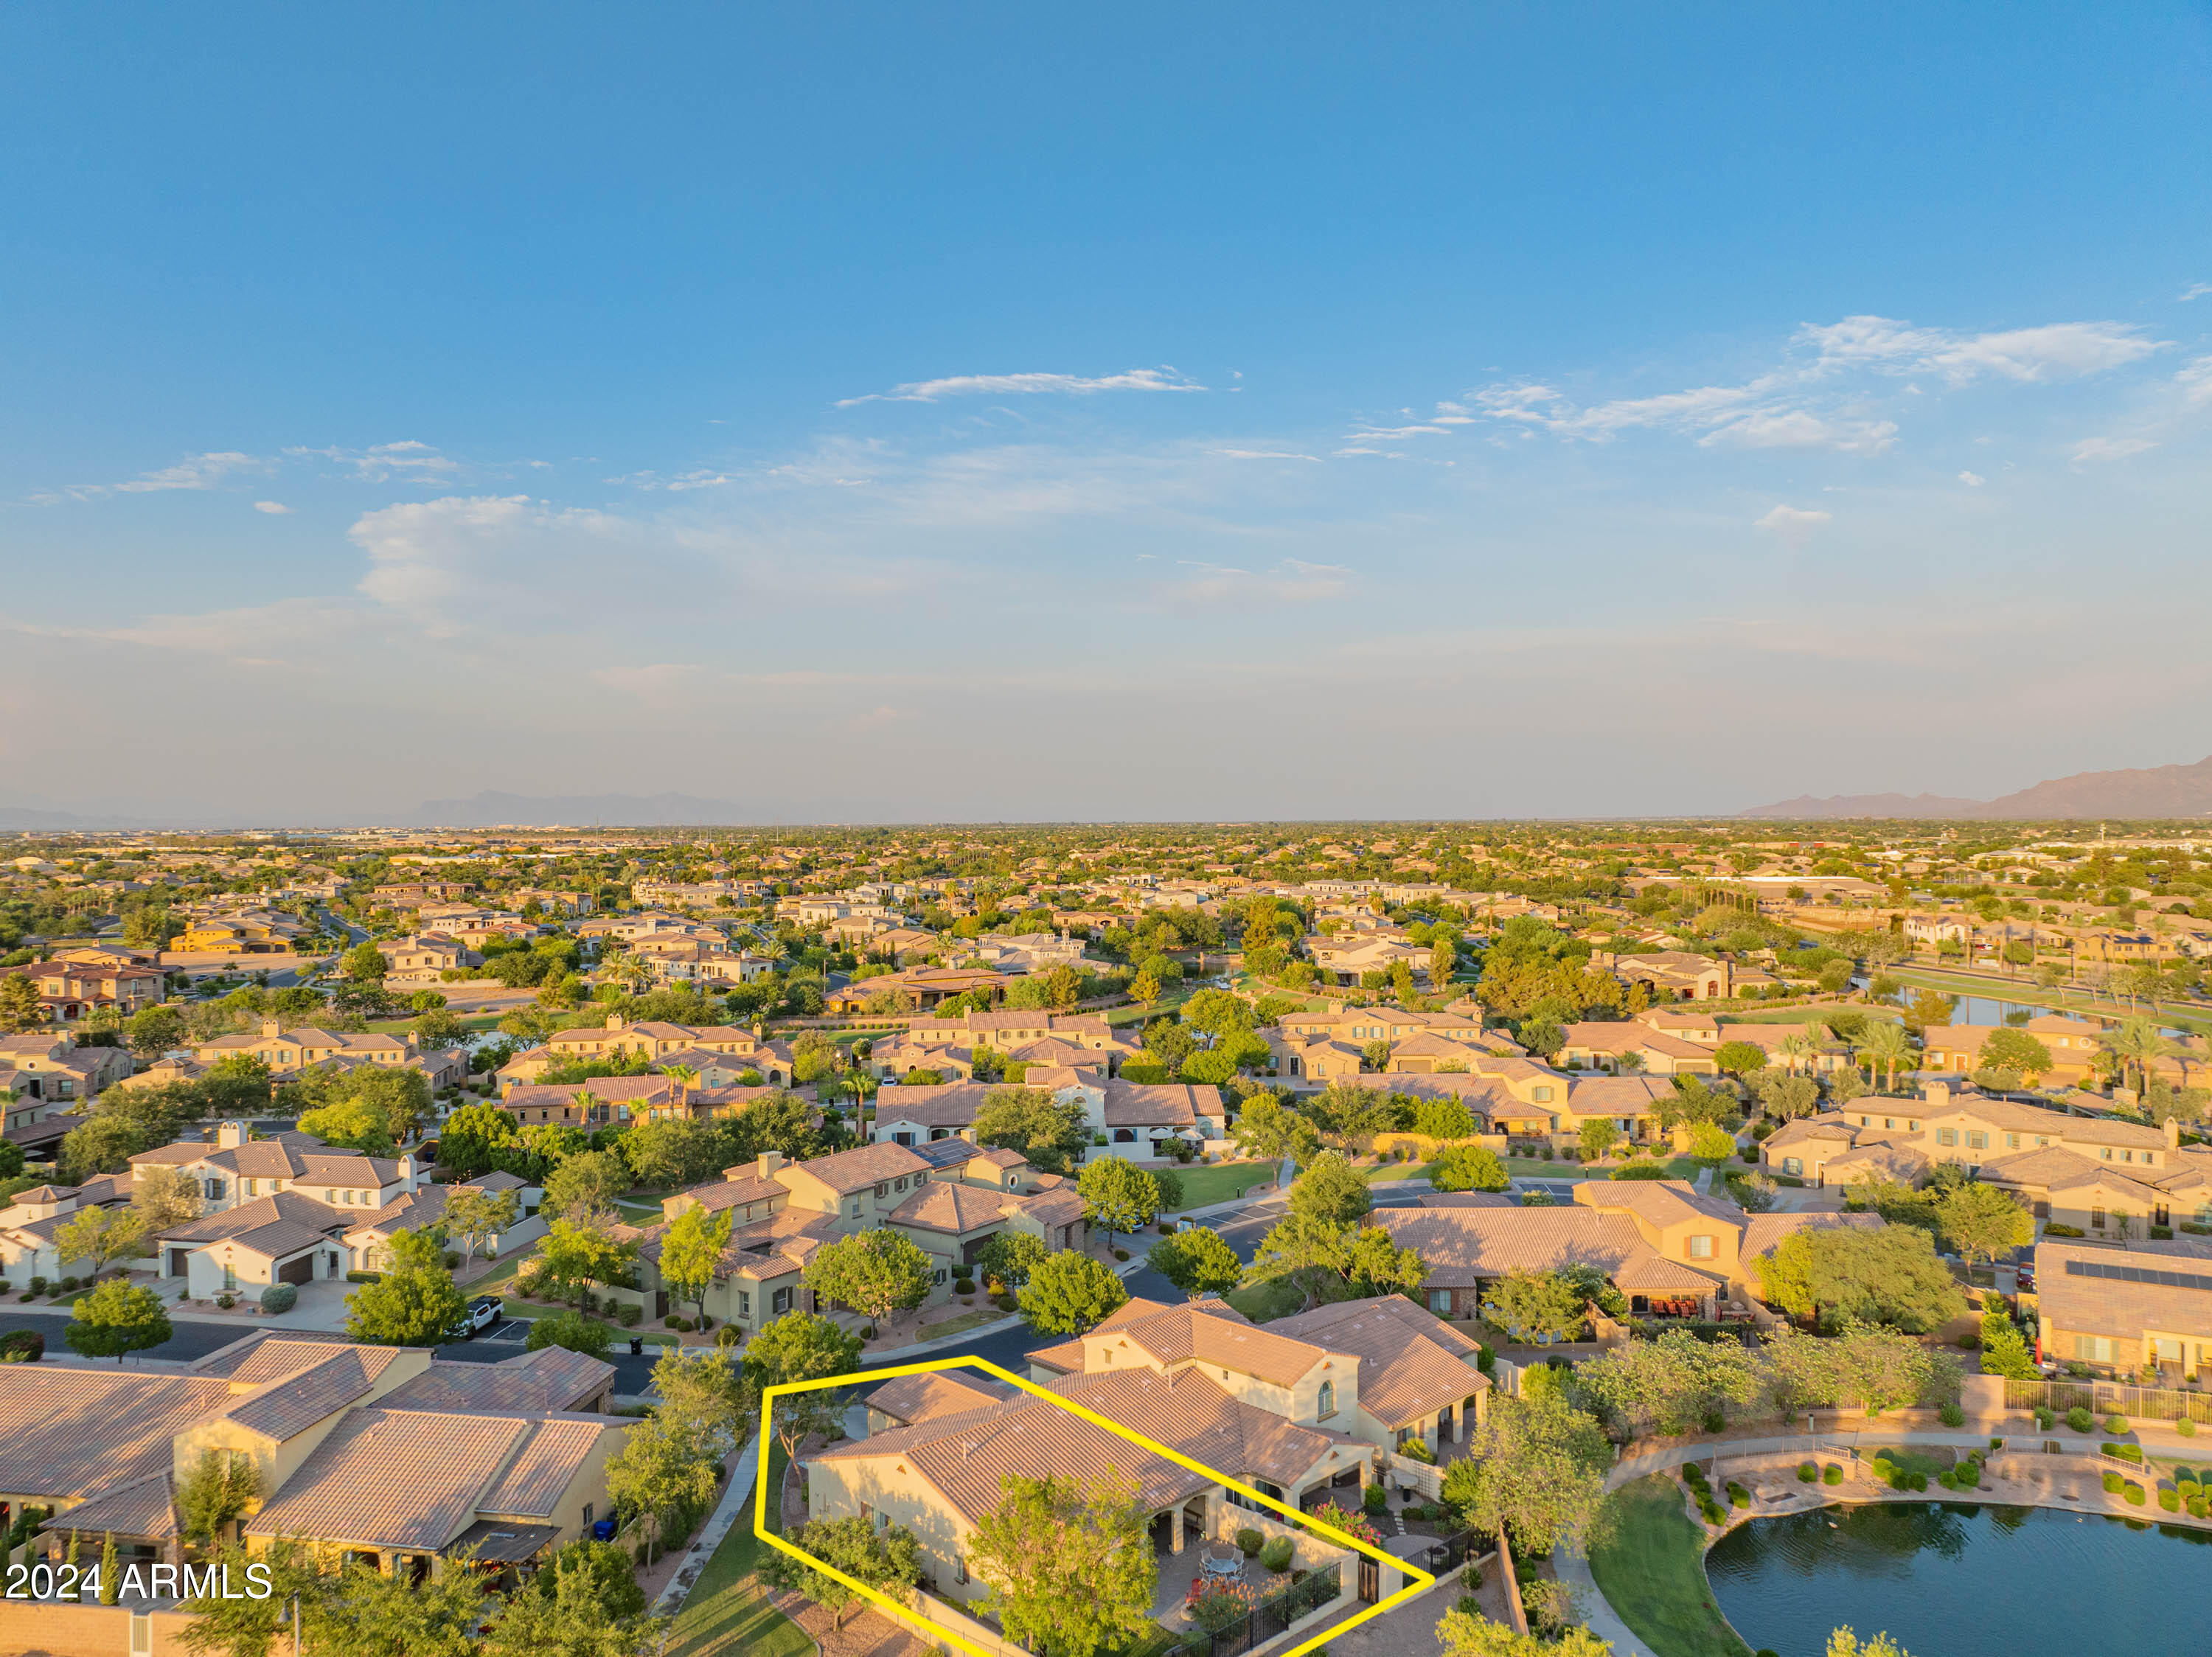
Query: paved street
pixel 191 1340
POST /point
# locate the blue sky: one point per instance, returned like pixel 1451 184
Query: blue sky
pixel 1257 411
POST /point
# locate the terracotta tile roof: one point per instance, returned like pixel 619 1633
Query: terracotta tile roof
pixel 942 1205
pixel 868 1165
pixel 550 1379
pixel 66 1431
pixel 1463 1246
pixel 275 1226
pixel 1657 1202
pixel 1183 1332
pixel 1469 1199
pixel 543 1467
pixel 346 1490
pixel 267 1355
pixel 913 1400
pixel 2105 1306
pixel 1410 1364
pixel 283 1409
pixel 146 1507
pixel 1763 1233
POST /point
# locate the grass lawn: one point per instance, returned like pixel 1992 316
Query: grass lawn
pixel 1261 1302
pixel 724 1612
pixel 1202 1187
pixel 1652 1569
pixel 1813 1014
pixel 1397 1170
pixel 646 1214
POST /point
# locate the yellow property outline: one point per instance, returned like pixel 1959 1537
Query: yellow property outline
pixel 1419 1583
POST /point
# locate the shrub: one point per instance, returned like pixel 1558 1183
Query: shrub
pixel 2053 1228
pixel 1468 1605
pixel 1918 1481
pixel 2198 1507
pixel 1276 1556
pixel 452 1259
pixel 2185 1427
pixel 1738 1496
pixel 38 1285
pixel 680 1324
pixel 1414 1449
pixel 2169 1500
pixel 1006 1302
pixel 1968 1474
pixel 963 1286
pixel 1713 1512
pixel 1251 1541
pixel 22 1346
pixel 2125 1452
pixel 226 1301
pixel 2079 1418
pixel 2133 1496
pixel 1808 1472
pixel 2112 1483
pixel 630 1316
pixel 1715 1421
pixel 2116 1423
pixel 1832 1474
pixel 2045 1419
pixel 1120 1254
pixel 2161 1234
pixel 1969 1342
pixel 279 1297
pixel 69 1285
pixel 1952 1415
pixel 1947 1480
pixel 1374 1499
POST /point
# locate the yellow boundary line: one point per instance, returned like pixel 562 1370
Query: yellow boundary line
pixel 1419 1581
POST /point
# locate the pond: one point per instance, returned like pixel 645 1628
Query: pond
pixel 1955 1580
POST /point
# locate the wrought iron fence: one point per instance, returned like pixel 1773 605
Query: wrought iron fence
pixel 1454 1551
pixel 2110 1397
pixel 1271 1616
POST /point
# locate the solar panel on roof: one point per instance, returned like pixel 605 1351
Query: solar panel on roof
pixel 2137 1275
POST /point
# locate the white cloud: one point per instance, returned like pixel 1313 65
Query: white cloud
pixel 1393 433
pixel 2196 382
pixel 2055 350
pixel 2194 291
pixel 198 471
pixel 1265 454
pixel 1020 385
pixel 1973 479
pixel 274 508
pixel 2110 448
pixel 1797 429
pixel 381 462
pixel 438 560
pixel 1293 580
pixel 1792 523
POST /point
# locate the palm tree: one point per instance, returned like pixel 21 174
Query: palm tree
pixel 1799 1047
pixel 1886 1046
pixel 2136 1043
pixel 683 1076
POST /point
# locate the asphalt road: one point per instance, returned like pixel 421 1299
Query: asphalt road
pixel 189 1342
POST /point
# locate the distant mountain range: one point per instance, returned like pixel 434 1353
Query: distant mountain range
pixel 2152 791
pixel 492 809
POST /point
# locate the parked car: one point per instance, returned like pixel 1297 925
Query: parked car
pixel 485 1312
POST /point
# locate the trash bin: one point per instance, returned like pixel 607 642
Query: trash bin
pixel 637 1346
pixel 603 1530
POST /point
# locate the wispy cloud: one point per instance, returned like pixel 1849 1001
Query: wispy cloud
pixel 274 508
pixel 1264 454
pixel 382 462
pixel 198 471
pixel 2110 448
pixel 2196 382
pixel 1293 580
pixel 1792 523
pixel 2194 291
pixel 1973 479
pixel 1025 384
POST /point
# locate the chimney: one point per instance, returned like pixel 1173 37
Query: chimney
pixel 2174 1133
pixel 767 1163
pixel 228 1136
pixel 407 1173
pixel 1937 1094
pixel 614 1021
pixel 270 1029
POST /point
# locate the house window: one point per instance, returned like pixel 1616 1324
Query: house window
pixel 882 1188
pixel 780 1302
pixel 1977 1141
pixel 2093 1349
pixel 938 1277
pixel 2097 1219
pixel 960 1567
pixel 1328 1402
pixel 1701 1248
pixel 229 1276
pixel 253 1187
pixel 1125 1136
pixel 1889 1122
pixel 2012 1142
pixel 744 1303
pixel 1793 1165
pixel 1540 1095
pixel 587 1515
pixel 1440 1299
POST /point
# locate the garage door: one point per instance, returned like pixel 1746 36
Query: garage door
pixel 301 1271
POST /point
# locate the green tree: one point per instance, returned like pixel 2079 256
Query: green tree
pixel 586 1183
pixel 878 1273
pixel 1537 1307
pixel 1469 1167
pixel 473 1218
pixel 1982 1223
pixel 1887 1275
pixel 1008 1257
pixel 364 1613
pixel 691 1252
pixel 154 1031
pixel 1599 1135
pixel 705 1398
pixel 1375 1264
pixel 1031 1122
pixel 1844 1643
pixel 2004 1348
pixel 20 1009
pixel 101 1236
pixel 1197 1262
pixel 800 1346
pixel 571 1331
pixel 577 1257
pixel 471 1138
pixel 888 1559
pixel 1309 1249
pixel 1886 1047
pixel 1070 1294
pixel 1331 1189
pixel 1066 1567
pixel 1117 1194
pixel 1668 1385
pixel 1738 1057
pixel 364 963
pixel 1468 1634
pixel 1535 1471
pixel 573 1615
pixel 414 1303
pixel 222 1485
pixel 372 1108
pixel 604 1569
pixel 1267 1129
pixel 2016 1050
pixel 116 1318
pixel 245 1627
pixel 1711 1144
pixel 660 1473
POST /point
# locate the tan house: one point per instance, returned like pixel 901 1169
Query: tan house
pixel 2145 1311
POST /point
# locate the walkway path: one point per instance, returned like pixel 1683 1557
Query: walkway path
pixel 736 1504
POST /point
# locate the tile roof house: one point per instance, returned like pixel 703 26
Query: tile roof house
pixel 2148 1308
pixel 935 1457
pixel 948 1206
pixel 323 1420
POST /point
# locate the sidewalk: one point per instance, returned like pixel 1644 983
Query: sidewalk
pixel 737 1502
